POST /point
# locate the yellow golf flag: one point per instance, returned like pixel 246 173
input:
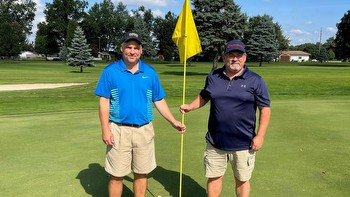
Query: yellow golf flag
pixel 185 34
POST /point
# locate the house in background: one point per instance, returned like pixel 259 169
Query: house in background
pixel 104 56
pixel 29 55
pixel 294 56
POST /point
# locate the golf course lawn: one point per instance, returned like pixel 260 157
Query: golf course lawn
pixel 51 145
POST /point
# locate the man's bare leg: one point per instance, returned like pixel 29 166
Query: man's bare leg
pixel 115 186
pixel 140 185
pixel 214 186
pixel 242 188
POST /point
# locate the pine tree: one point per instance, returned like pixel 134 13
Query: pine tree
pixel 262 45
pixel 218 22
pixel 79 53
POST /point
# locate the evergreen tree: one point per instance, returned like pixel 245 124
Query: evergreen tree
pixel 330 46
pixel 262 44
pixel 322 54
pixel 218 22
pixel 143 25
pixel 79 52
pixel 283 41
pixel 342 39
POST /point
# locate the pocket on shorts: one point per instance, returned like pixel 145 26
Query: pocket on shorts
pixel 251 159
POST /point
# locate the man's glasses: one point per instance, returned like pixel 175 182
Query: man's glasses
pixel 234 55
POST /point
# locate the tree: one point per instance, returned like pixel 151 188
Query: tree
pixel 105 24
pixel 163 31
pixel 283 41
pixel 322 54
pixel 311 48
pixel 143 23
pixel 342 38
pixel 262 45
pixel 16 23
pixel 79 54
pixel 59 13
pixel 329 45
pixel 46 40
pixel 218 22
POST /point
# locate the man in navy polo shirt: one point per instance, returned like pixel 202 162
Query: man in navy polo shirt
pixel 128 89
pixel 235 93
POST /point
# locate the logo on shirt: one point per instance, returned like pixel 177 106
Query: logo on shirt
pixel 243 86
pixel 144 77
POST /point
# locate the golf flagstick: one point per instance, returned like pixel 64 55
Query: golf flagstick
pixel 187 40
pixel 183 122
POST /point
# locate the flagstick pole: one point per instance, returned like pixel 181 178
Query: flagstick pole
pixel 183 122
pixel 183 102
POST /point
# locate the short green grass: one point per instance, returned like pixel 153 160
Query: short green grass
pixel 51 144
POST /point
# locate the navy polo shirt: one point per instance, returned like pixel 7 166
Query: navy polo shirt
pixel 233 105
pixel 131 95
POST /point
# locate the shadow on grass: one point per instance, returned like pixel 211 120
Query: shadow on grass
pixel 170 180
pixel 94 180
pixel 75 71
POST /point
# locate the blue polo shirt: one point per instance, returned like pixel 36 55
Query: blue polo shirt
pixel 131 95
pixel 233 105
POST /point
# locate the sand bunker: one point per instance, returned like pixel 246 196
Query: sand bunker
pixel 36 86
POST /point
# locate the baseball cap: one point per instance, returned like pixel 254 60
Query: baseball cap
pixel 234 45
pixel 132 36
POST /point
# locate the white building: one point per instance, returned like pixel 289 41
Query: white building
pixel 294 56
pixel 29 55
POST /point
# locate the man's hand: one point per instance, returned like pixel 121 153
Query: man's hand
pixel 179 126
pixel 107 137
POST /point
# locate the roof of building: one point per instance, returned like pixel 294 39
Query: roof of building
pixel 291 53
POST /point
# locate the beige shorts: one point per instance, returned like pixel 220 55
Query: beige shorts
pixel 215 162
pixel 133 150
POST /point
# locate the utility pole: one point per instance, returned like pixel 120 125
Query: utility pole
pixel 319 47
pixel 99 46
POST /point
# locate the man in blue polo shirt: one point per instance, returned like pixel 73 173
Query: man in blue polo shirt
pixel 128 89
pixel 235 93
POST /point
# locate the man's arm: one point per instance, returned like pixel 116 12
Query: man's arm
pixel 198 102
pixel 164 110
pixel 107 136
pixel 264 119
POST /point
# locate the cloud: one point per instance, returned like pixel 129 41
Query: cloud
pixel 308 23
pixel 331 30
pixel 157 13
pixel 299 32
pixel 39 17
pixel 298 36
pixel 146 3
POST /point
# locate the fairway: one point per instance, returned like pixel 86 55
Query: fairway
pixel 51 143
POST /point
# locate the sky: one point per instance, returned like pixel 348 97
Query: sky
pixel 302 21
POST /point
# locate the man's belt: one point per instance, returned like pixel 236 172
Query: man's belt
pixel 131 125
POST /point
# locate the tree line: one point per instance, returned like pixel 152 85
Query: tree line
pixel 105 23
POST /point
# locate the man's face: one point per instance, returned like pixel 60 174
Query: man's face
pixel 234 61
pixel 131 51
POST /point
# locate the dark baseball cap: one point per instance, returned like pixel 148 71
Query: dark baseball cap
pixel 234 45
pixel 132 36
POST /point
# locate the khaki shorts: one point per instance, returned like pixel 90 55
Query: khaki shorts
pixel 133 150
pixel 215 162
